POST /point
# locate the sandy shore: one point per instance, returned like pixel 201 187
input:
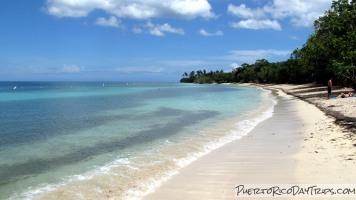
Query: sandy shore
pixel 343 110
pixel 299 144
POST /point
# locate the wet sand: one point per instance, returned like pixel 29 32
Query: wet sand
pixel 343 110
pixel 299 144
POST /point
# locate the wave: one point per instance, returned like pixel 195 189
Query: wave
pixel 240 130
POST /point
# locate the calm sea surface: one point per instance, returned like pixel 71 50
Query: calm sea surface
pixel 102 140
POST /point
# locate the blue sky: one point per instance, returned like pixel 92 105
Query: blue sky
pixel 146 40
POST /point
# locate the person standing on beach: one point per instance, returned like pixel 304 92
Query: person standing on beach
pixel 330 84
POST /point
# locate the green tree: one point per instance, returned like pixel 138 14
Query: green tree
pixel 331 49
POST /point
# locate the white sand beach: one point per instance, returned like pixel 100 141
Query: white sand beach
pixel 299 144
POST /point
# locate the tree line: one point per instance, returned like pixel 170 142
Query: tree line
pixel 330 52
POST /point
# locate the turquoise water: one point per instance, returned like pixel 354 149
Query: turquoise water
pixel 102 140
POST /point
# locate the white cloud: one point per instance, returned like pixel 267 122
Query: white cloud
pixel 159 30
pixel 111 22
pixel 250 56
pixel 71 69
pixel 257 24
pixel 137 9
pixel 72 8
pixel 301 13
pixel 234 66
pixel 205 33
pixel 245 12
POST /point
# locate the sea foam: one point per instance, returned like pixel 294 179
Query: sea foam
pixel 241 129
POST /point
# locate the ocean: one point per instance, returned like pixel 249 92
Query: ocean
pixel 78 140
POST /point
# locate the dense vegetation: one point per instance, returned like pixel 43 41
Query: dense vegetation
pixel 329 52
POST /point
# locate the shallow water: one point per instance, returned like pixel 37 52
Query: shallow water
pixel 100 140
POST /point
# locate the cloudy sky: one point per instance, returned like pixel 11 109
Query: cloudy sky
pixel 146 40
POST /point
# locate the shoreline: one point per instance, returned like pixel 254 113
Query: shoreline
pixel 299 144
pixel 328 152
pixel 103 186
pixel 343 110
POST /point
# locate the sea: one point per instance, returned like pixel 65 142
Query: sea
pixel 120 140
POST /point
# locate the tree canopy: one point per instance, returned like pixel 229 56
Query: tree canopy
pixel 329 52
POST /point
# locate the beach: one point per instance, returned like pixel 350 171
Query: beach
pixel 343 110
pixel 299 144
pixel 193 141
